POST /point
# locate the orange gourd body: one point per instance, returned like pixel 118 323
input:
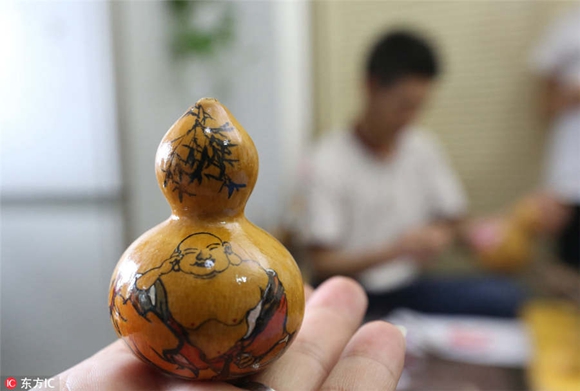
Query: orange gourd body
pixel 207 294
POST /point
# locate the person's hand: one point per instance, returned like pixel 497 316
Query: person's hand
pixel 426 242
pixel 330 352
pixel 553 215
pixel 484 234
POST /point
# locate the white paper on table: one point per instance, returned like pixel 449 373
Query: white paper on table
pixel 470 339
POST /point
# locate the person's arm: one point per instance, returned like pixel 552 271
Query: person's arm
pixel 447 198
pixel 552 61
pixel 421 244
pixel 557 98
pixel 328 262
pixel 147 279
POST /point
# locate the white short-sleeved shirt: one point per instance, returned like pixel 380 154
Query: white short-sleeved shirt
pixel 356 202
pixel 562 171
pixel 558 55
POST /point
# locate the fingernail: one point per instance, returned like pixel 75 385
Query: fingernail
pixel 402 329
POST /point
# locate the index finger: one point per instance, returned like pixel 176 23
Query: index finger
pixel 372 360
pixel 333 314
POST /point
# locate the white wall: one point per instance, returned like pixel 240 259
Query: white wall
pixel 56 266
pixel 294 82
pixel 57 111
pixel 62 225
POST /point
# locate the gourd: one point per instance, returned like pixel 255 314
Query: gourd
pixel 206 294
pixel 505 244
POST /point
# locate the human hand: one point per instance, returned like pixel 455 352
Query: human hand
pixel 550 216
pixel 330 352
pixel 424 243
pixel 484 233
pixel 537 213
pixel 171 264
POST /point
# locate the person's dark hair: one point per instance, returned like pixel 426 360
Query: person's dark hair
pixel 399 54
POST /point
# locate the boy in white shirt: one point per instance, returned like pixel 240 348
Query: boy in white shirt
pixel 381 197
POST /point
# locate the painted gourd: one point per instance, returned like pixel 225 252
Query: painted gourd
pixel 207 294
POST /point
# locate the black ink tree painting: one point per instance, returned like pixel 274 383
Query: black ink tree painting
pixel 202 154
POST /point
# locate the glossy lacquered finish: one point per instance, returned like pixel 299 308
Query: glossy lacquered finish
pixel 207 294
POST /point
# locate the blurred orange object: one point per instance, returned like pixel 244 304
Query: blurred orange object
pixel 555 330
pixel 505 244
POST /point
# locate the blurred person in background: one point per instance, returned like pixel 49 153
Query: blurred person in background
pixel 381 199
pixel 506 243
pixel 556 60
pixel 554 323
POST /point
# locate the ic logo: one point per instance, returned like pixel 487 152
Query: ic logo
pixel 11 383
